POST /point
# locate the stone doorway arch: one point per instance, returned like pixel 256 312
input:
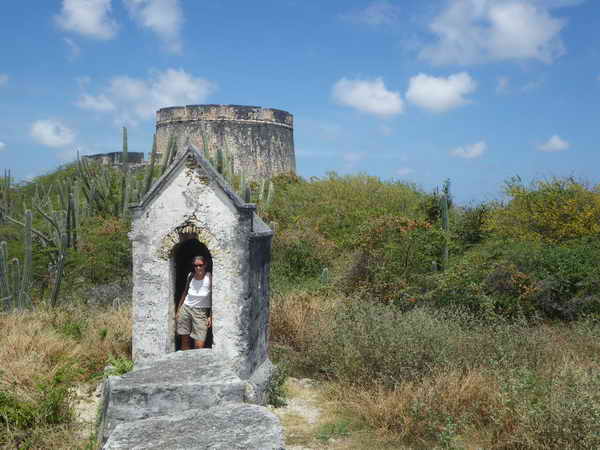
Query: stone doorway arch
pixel 181 263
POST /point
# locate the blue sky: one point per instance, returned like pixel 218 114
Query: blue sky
pixel 472 90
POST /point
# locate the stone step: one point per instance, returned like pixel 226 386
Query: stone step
pixel 176 383
pixel 228 427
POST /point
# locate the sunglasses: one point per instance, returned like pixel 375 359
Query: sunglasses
pixel 198 265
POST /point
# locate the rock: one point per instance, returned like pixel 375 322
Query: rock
pixel 228 427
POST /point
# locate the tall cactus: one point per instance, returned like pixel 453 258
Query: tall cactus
pixel 167 157
pixel 15 280
pixel 444 217
pixel 59 240
pixel 150 172
pixel 26 276
pixel 270 194
pixel 5 194
pixel 247 194
pixel 126 182
pixel 220 161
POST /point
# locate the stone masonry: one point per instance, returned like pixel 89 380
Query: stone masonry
pixel 261 140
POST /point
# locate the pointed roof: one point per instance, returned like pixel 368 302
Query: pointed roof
pixel 193 155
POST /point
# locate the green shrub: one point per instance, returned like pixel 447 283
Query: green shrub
pixel 104 253
pixel 119 365
pixel 515 278
pixel 561 411
pixel 336 206
pixel 391 250
pixel 469 227
pixel 298 256
pixel 276 393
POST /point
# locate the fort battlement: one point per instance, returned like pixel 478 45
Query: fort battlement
pixel 260 140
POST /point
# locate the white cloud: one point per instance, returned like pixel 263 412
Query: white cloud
pixel 52 133
pixel 163 17
pixel 2 146
pixel 87 17
pixel 477 31
pixel 134 99
pixel 95 103
pixel 74 50
pixel 470 151
pixel 404 171
pixel 353 157
pixel 368 96
pixel 502 85
pixel 3 79
pixel 532 85
pixel 440 94
pixel 376 13
pixel 554 144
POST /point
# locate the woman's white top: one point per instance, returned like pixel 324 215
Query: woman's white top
pixel 199 293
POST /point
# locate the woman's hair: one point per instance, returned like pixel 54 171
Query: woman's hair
pixel 196 258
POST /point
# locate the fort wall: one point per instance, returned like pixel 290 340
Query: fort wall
pixel 260 140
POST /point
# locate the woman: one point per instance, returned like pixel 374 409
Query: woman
pixel 193 315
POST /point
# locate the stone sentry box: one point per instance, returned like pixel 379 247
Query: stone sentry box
pixel 191 209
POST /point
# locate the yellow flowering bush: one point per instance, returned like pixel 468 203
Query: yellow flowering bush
pixel 548 211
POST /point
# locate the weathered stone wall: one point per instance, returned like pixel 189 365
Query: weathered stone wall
pixel 260 260
pixel 261 140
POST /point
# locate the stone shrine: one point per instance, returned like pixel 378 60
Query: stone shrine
pixel 191 210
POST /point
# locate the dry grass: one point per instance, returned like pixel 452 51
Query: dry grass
pixel 298 317
pixel 555 405
pixel 424 379
pixel 418 412
pixel 43 353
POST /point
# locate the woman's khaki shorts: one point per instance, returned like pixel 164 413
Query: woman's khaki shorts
pixel 193 321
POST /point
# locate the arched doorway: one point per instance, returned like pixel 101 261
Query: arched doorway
pixel 183 254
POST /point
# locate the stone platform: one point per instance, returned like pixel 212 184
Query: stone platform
pixel 223 427
pixel 196 383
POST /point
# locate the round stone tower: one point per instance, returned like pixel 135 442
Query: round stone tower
pixel 261 140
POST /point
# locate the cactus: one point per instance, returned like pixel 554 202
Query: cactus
pixel 168 157
pixel 444 217
pixel 231 169
pixel 15 281
pixel 270 194
pixel 5 197
pixel 243 181
pixel 173 152
pixel 220 161
pixel 324 278
pixel 125 183
pixel 150 172
pixel 59 241
pixel 261 190
pixel 26 276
